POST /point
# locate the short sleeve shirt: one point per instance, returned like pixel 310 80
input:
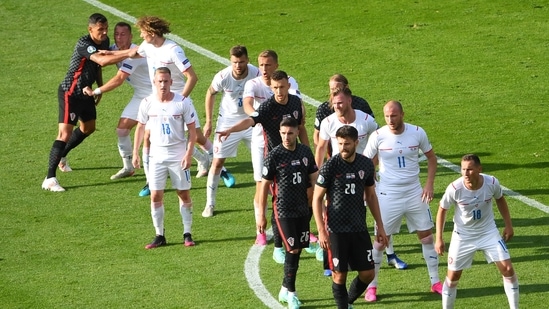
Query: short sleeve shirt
pixel 324 110
pixel 138 73
pixel 345 183
pixel 290 170
pixel 270 114
pixel 83 71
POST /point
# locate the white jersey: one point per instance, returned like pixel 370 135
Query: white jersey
pixel 473 215
pixel 138 72
pixel 231 108
pixel 364 123
pixel 166 122
pixel 398 155
pixel 168 55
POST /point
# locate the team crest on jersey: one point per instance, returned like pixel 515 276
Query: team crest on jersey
pixel 305 161
pixel 296 114
pixel 335 261
pixel 320 179
pixel 91 49
pixel 350 176
pixel 295 162
pixel 290 241
pixel 361 174
pixel 73 116
pixel 265 171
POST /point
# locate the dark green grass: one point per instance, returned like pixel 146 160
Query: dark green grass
pixel 472 74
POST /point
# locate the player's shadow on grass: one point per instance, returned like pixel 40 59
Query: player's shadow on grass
pixel 464 292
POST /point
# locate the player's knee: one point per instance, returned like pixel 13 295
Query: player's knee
pixel 427 240
pixel 450 283
pixel 122 132
pixel 366 276
pixel 379 246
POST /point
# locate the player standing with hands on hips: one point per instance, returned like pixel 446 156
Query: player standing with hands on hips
pixel 475 229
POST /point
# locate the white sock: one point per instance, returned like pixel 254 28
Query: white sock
pixel 431 258
pixel 157 214
pixel 449 292
pixel 186 210
pixel 207 147
pixel 389 249
pixel 211 188
pixel 511 286
pixel 125 148
pixel 199 156
pixel 377 255
pixel 146 163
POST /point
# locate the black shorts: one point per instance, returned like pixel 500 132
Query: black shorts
pixel 349 251
pixel 294 232
pixel 73 108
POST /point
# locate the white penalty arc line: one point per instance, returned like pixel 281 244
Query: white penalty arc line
pixel 251 266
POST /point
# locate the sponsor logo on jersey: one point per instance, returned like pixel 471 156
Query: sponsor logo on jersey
pixel 295 162
pixel 350 176
pixel 91 49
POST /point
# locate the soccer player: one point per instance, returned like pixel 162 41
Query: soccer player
pixel 269 114
pixel 395 148
pixel 475 229
pixel 347 179
pixel 290 169
pixel 159 52
pixel 326 109
pixel 134 71
pixel 89 55
pixel 230 81
pixel 166 115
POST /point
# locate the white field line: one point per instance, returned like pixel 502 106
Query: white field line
pixel 251 266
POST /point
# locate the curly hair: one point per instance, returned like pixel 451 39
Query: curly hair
pixel 153 25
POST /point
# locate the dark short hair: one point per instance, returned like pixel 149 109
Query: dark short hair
pixel 96 18
pixel 289 122
pixel 471 157
pixel 269 53
pixel 347 132
pixel 279 75
pixel 162 70
pixel 123 24
pixel 239 51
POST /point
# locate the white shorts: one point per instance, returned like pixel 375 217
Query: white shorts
pixel 159 171
pixel 258 151
pixel 462 249
pixel 132 108
pixel 228 148
pixel 394 207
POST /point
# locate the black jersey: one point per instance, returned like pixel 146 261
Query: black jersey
pixel 324 109
pixel 290 170
pixel 270 114
pixel 345 182
pixel 82 71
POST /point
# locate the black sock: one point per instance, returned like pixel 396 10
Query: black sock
pixel 340 295
pixel 76 138
pixel 276 234
pixel 55 156
pixel 356 289
pixel 291 264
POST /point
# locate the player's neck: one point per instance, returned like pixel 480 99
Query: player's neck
pixel 165 97
pixel 347 117
pixel 158 41
pixel 474 184
pixel 350 159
